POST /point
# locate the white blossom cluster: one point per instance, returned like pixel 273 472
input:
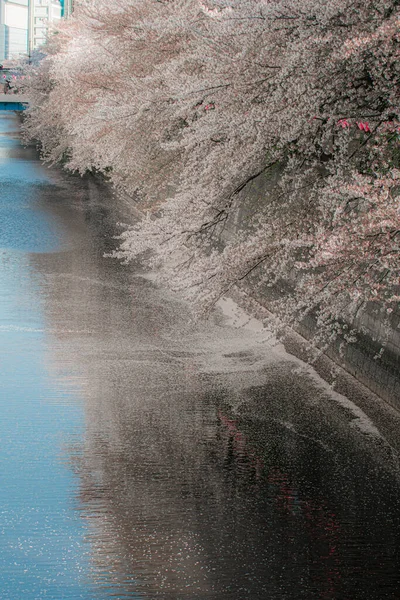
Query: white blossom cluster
pixel 182 104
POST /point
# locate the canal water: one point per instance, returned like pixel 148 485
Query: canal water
pixel 145 455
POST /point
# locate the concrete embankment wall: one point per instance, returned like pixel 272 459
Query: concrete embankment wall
pixel 381 375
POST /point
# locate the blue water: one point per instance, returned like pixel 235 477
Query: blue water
pixel 43 553
pixel 25 221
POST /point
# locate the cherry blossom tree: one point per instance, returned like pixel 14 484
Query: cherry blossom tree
pixel 182 104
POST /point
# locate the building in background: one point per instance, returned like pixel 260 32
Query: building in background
pixel 41 14
pixel 24 25
pixel 67 7
pixel 13 28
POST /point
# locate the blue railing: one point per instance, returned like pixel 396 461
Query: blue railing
pixel 14 105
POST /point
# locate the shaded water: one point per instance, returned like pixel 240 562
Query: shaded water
pixel 146 456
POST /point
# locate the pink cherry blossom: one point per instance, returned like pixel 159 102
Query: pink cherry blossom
pixel 312 215
pixel 363 126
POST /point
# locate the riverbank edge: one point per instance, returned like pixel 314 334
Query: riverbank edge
pixel 330 366
pixel 360 360
pixel 330 370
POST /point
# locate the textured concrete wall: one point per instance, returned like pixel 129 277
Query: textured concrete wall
pixel 381 375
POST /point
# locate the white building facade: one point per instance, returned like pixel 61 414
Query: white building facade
pixel 24 24
pixel 14 19
pixel 41 14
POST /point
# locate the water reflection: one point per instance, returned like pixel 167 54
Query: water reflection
pixel 204 475
pixel 208 465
